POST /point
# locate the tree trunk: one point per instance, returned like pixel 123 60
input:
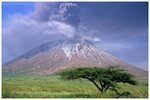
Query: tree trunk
pixel 96 85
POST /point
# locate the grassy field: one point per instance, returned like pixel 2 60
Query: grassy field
pixel 54 87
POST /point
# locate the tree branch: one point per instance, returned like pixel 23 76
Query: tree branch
pixel 106 88
pixel 101 85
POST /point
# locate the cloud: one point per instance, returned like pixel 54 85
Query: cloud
pixel 48 22
pixel 69 13
pixel 24 32
pixel 55 27
pixel 120 28
pixel 64 6
pixel 92 39
pixel 43 11
pixel 62 12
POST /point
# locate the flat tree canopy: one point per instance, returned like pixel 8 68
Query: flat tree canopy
pixel 102 78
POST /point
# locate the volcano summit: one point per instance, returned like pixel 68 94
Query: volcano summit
pixel 51 57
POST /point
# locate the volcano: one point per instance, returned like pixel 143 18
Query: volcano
pixel 54 56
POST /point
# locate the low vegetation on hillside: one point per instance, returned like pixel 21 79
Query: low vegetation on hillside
pixel 53 86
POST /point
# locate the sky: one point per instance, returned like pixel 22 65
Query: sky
pixel 120 28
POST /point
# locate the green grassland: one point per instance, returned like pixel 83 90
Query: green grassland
pixel 54 87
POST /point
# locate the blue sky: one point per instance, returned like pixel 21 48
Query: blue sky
pixel 11 8
pixel 120 28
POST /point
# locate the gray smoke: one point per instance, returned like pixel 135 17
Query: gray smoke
pixel 63 12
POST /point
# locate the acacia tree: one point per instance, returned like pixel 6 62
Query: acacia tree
pixel 102 78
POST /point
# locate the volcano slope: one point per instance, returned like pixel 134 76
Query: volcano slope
pixel 54 56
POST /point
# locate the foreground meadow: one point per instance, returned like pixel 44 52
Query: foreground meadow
pixel 54 87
